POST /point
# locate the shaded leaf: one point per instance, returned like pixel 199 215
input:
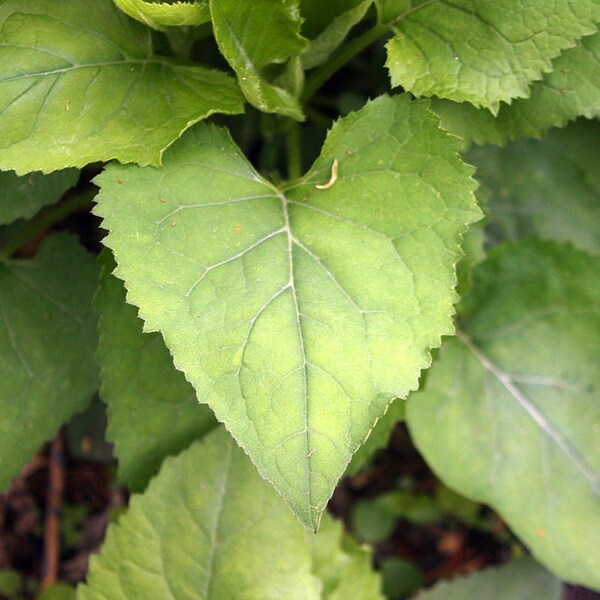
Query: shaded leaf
pixel 152 409
pixel 254 36
pixel 549 187
pixel 47 343
pixel 509 414
pixel 78 86
pixel 298 314
pixel 209 527
pixel 159 15
pixel 570 90
pixel 519 580
pixel 327 24
pixel 484 52
pixel 22 197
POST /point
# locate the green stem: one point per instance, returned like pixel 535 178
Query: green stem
pixel 47 219
pixel 340 58
pixel 294 150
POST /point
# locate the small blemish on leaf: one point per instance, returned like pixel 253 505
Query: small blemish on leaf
pixel 541 533
pixel 68 105
pixel 163 200
pixel 238 229
pixel 311 453
pixel 332 179
pixel 173 223
pixel 120 181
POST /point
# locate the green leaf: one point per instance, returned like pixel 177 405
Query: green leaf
pixel 257 35
pixel 159 15
pixel 79 84
pixel 342 565
pixel 22 197
pixel 298 314
pixel 378 438
pixel 208 527
pixel 549 187
pixel 519 580
pixel 509 414
pixel 327 24
pixel 152 409
pixel 570 90
pixel 483 52
pixel 390 10
pixel 47 342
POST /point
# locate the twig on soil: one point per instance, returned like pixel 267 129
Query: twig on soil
pixel 56 482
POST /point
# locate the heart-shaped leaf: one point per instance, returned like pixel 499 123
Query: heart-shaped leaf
pixel 298 313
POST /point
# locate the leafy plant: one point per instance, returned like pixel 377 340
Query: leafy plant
pixel 296 305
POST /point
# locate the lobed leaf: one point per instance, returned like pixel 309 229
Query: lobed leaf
pixel 78 86
pixel 255 36
pixel 159 15
pixel 509 413
pixel 521 579
pixel 483 52
pixel 549 188
pixel 570 90
pixel 152 409
pixel 298 313
pixel 209 527
pixel 23 197
pixel 47 342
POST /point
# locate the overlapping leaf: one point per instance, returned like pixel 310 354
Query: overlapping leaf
pixel 509 415
pixel 159 15
pixel 327 24
pixel 549 187
pixel 22 197
pixel 298 314
pixel 209 528
pixel 254 37
pixel 152 410
pixel 570 90
pixel 519 580
pixel 483 52
pixel 47 343
pixel 78 86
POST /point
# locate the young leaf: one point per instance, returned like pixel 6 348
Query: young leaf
pixel 483 52
pixel 519 580
pixel 209 527
pixel 298 314
pixel 159 15
pixel 570 90
pixel 327 24
pixel 79 83
pixel 509 413
pixel 22 197
pixel 253 36
pixel 548 187
pixel 152 409
pixel 47 343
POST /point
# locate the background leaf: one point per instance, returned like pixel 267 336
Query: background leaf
pixel 253 36
pixel 570 90
pixel 509 414
pixel 327 24
pixel 22 197
pixel 549 187
pixel 270 302
pixel 152 410
pixel 483 52
pixel 80 84
pixel 519 580
pixel 159 15
pixel 210 512
pixel 47 342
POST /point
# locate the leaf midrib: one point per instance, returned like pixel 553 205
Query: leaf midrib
pixel 529 407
